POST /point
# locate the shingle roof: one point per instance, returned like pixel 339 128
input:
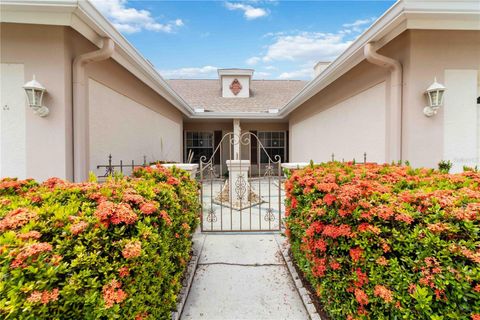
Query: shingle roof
pixel 264 94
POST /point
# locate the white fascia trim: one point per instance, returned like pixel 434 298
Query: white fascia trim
pixel 236 115
pixel 403 15
pixel 83 17
pixel 144 69
pixel 235 72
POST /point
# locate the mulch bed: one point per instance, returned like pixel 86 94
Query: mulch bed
pixel 310 290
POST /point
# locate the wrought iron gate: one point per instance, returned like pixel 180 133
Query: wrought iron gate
pixel 241 195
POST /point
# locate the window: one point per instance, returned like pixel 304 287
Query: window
pixel 200 144
pixel 274 144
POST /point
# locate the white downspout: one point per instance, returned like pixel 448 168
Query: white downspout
pixel 394 112
pixel 80 109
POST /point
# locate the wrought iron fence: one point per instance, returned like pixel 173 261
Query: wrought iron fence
pixel 122 167
pixel 354 160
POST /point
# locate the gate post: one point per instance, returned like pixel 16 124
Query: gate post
pixel 238 181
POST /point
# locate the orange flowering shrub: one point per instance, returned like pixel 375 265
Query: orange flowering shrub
pixel 115 250
pixel 387 241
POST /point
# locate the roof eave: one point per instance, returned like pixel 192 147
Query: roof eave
pixel 403 15
pixel 83 17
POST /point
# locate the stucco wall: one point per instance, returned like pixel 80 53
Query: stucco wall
pixel 40 49
pixel 347 129
pixel 163 141
pixel 433 53
pixel 424 54
pixel 133 130
pixel 48 52
pixel 352 87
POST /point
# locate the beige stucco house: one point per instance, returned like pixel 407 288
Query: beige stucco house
pixel 105 98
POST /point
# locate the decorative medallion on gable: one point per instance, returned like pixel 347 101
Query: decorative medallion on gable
pixel 236 87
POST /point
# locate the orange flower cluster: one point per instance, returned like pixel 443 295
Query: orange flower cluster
pixel 62 243
pixel 43 297
pixel 132 249
pixel 30 250
pixel 112 293
pixel 29 235
pixel 384 293
pixel 12 184
pixel 382 261
pixel 78 227
pixel 467 253
pixel 438 227
pixel 333 231
pixel 148 208
pixel 142 316
pixel 16 218
pixel 166 217
pixel 55 183
pixel 361 297
pixel 360 229
pixel 356 254
pixel 133 197
pixel 109 212
pixel 123 272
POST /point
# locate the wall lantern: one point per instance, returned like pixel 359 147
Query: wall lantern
pixel 35 91
pixel 434 95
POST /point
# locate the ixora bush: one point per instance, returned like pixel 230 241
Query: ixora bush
pixel 387 242
pixel 90 250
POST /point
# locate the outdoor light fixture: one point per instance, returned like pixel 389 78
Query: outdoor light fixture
pixel 35 91
pixel 434 95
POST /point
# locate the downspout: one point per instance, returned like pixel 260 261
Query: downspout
pixel 80 108
pixel 394 112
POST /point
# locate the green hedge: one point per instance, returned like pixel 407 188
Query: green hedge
pixel 387 242
pixel 89 250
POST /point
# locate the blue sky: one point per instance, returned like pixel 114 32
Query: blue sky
pixel 279 39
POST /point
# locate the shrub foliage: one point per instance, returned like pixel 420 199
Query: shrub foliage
pixel 387 242
pixel 90 250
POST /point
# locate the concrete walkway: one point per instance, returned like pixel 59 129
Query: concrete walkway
pixel 242 276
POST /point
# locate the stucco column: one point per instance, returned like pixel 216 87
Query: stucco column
pixel 237 131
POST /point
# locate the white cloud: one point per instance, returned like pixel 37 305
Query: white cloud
pixel 300 50
pixel 249 11
pixel 271 68
pixel 307 46
pixel 310 47
pixel 261 74
pixel 304 73
pixel 253 61
pixel 359 23
pixel 190 73
pixel 357 26
pixel 131 20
